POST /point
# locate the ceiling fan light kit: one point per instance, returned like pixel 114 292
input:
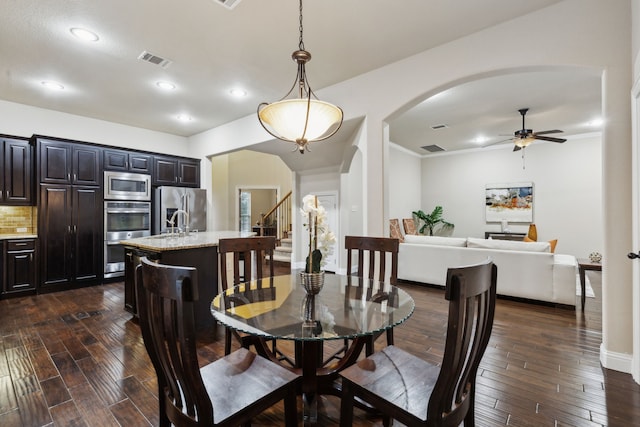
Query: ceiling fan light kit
pixel 300 117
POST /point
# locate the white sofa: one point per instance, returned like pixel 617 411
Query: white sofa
pixel 525 270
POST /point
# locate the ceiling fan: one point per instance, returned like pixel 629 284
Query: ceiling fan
pixel 523 137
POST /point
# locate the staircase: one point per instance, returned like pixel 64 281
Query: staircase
pixel 283 251
pixel 280 215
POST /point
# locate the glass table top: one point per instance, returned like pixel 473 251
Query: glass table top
pixel 346 307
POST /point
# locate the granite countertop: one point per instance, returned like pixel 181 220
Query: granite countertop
pixel 165 242
pixel 11 236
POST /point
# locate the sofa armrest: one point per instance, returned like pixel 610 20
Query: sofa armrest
pixel 565 270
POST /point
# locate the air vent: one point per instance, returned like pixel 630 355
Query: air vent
pixel 229 4
pixel 432 148
pixel 154 59
pixel 436 127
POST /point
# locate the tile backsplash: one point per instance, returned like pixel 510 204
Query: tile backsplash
pixel 13 218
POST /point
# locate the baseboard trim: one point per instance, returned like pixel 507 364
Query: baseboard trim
pixel 617 361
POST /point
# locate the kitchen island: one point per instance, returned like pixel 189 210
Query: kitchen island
pixel 199 250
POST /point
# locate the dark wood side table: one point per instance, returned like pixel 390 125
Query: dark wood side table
pixel 504 236
pixel 585 264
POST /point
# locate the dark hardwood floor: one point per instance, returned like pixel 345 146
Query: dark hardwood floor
pixel 76 358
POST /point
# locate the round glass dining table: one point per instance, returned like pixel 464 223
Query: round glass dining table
pixel 347 307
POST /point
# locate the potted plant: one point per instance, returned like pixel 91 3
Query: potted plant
pixel 321 241
pixel 430 221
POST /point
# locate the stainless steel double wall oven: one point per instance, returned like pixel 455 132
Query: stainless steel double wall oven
pixel 127 215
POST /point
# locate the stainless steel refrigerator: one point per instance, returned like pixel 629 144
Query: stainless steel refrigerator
pixel 167 200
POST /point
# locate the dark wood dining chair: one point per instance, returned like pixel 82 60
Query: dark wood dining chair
pixel 415 392
pixel 193 396
pixel 252 252
pixel 375 249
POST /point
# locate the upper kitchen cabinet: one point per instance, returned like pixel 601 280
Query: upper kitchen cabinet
pixel 16 182
pixel 127 161
pixel 176 171
pixel 66 162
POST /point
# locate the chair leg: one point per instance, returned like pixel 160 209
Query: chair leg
pixel 227 341
pixel 291 409
pixel 369 345
pixel 346 404
pixel 389 336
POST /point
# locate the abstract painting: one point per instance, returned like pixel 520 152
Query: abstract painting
pixel 511 202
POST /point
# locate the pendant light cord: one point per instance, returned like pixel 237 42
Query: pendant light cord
pixel 301 43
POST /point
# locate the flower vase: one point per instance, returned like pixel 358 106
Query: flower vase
pixel 312 282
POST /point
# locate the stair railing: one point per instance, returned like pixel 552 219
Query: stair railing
pixel 280 215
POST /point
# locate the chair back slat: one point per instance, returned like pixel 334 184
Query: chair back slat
pixel 166 296
pixel 253 251
pixel 471 292
pixel 375 250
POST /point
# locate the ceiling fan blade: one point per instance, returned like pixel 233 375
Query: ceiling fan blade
pixel 517 148
pixel 549 138
pixel 545 132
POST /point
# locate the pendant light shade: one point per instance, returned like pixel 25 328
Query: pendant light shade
pixel 300 117
pixel 293 119
pixel 524 142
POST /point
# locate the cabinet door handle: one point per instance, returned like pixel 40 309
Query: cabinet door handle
pixel 69 229
pixel 75 229
pixel 31 256
pixel 75 177
pixel 68 177
pixel 20 244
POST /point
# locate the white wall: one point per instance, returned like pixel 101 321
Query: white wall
pixel 567 181
pixel 405 183
pixel 220 212
pixel 24 120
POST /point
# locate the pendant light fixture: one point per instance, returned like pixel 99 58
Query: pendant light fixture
pixel 300 117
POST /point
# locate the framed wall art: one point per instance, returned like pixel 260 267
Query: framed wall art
pixel 511 202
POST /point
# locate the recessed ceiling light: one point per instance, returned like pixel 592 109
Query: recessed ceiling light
pixel 184 118
pixel 481 140
pixel 52 85
pixel 165 85
pixel 84 34
pixel 596 123
pixel 238 93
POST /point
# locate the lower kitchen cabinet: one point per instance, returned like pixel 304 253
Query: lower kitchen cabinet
pixel 20 270
pixel 70 221
pixel 131 261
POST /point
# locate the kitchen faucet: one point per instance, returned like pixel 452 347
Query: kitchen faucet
pixel 186 220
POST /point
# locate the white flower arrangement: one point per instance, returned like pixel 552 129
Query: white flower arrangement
pixel 321 239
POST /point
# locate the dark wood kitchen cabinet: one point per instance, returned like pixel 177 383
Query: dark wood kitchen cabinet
pixel 131 261
pixel 70 223
pixel 127 161
pixel 20 267
pixel 16 182
pixel 182 172
pixel 68 162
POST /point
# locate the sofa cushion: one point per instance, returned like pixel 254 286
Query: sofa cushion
pixel 436 240
pixel 508 245
pixel 552 243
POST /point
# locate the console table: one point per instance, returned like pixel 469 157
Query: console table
pixel 504 236
pixel 584 265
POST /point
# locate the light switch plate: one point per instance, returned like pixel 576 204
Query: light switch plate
pixel 21 230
